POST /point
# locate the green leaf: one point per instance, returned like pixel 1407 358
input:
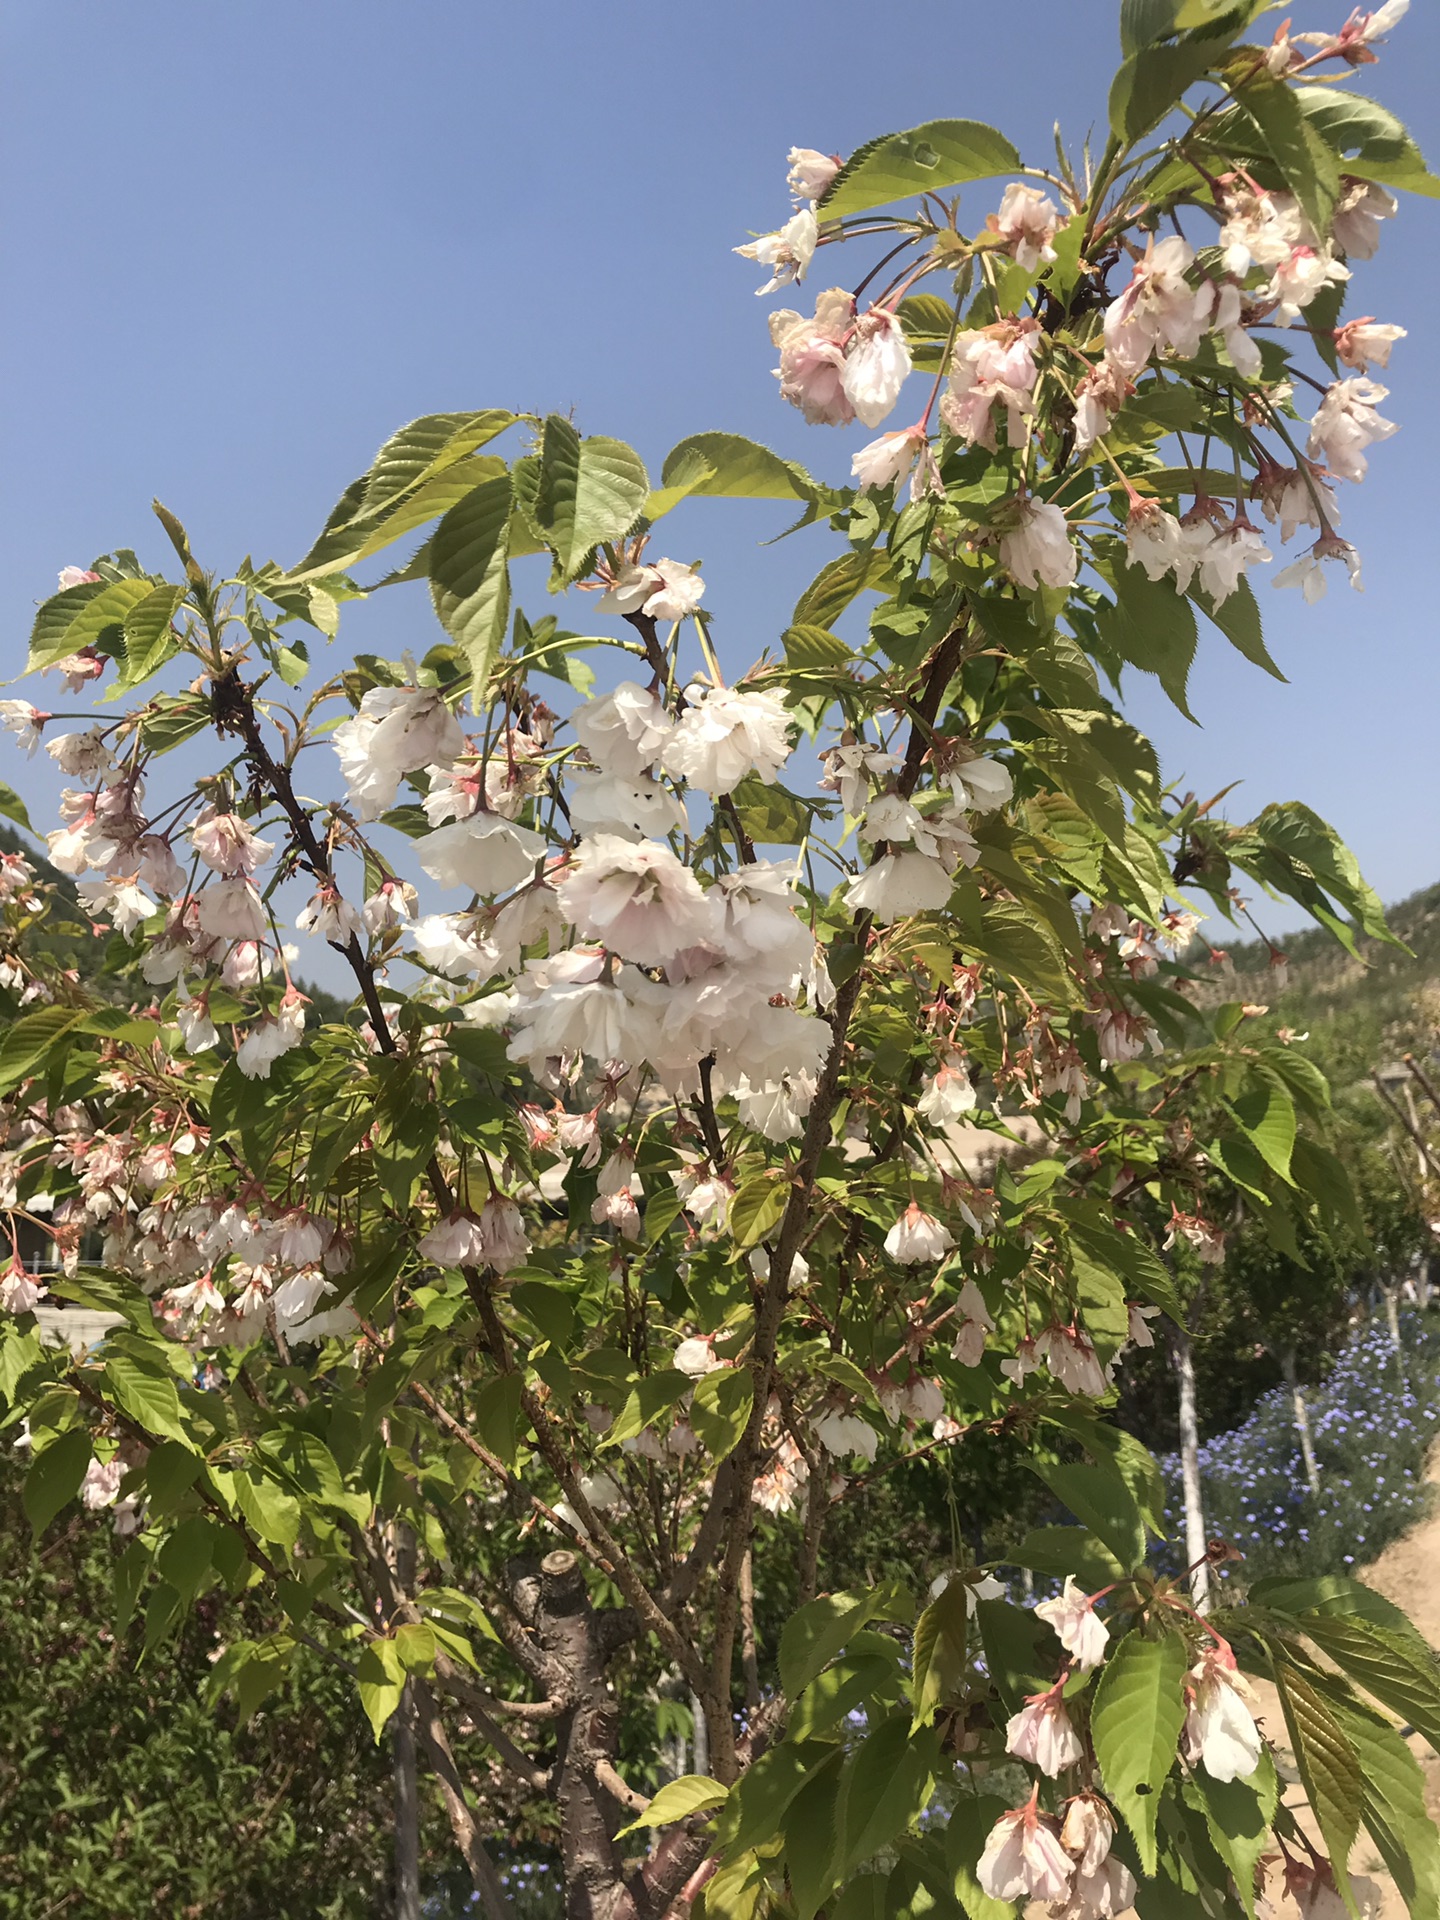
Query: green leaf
pixel 816 650
pixel 812 1837
pixel 184 1558
pixel 839 1689
pixel 273 1515
pixel 886 1787
pixel 677 1800
pixel 647 1400
pixel 720 1409
pixel 736 469
pixel 1238 618
pixel 1306 859
pixel 380 1676
pixel 1019 1650
pixel 171 1470
pixel 816 1632
pixel 1062 1550
pixel 1328 1767
pixel 1135 1723
pixel 590 492
pixel 1145 21
pixel 1372 142
pixel 29 1043
pixel 424 448
pixel 971 1819
pixel 1101 1499
pixel 1152 627
pixel 148 1397
pixel 1151 81
pixel 149 638
pixel 756 1807
pixel 1266 1113
pixel 419 473
pixel 1393 1807
pixel 1402 1676
pixel 497 1415
pixel 130 1570
pixel 938 1661
pixel 1307 163
pixel 1011 939
pixel 1238 1814
pixel 758 1208
pixel 1333 1593
pixel 12 807
pixel 928 159
pixel 770 814
pixel 837 584
pixel 82 616
pixel 54 1477
pixel 1125 1253
pixel 470 576
pixel 168 722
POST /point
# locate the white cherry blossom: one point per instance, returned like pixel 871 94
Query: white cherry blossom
pixel 1220 1731
pixel 639 808
pixel 899 884
pixel 918 1236
pixel 624 732
pixel 1363 344
pixel 1023 1859
pixel 637 897
pixel 25 722
pixel 485 854
pixel 396 731
pixel 1027 222
pixel 811 172
pixel 788 251
pixel 665 590
pixel 812 358
pixel 1080 1630
pixel 1038 550
pixel 877 364
pixel 1044 1734
pixel 726 733
pixel 83 756
pixel 1345 424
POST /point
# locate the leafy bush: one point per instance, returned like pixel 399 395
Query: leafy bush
pixel 1372 1423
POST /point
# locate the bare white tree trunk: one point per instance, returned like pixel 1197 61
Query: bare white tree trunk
pixel 700 1746
pixel 405 1775
pixel 1196 1540
pixel 404 1765
pixel 1302 1419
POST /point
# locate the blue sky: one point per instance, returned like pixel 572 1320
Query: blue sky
pixel 243 242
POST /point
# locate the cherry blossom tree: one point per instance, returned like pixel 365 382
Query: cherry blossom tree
pixel 633 1214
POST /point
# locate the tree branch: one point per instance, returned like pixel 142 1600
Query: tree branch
pixel 463 1823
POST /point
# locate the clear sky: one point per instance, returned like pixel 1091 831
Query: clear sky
pixel 245 241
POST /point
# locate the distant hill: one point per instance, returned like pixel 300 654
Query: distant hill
pixel 1369 1010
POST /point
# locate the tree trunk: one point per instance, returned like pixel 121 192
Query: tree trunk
pixel 1391 1290
pixel 1302 1419
pixel 407 1810
pixel 700 1746
pixel 567 1628
pixel 400 1547
pixel 1196 1542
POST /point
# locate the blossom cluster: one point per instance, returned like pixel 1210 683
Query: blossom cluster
pixel 1067 1859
